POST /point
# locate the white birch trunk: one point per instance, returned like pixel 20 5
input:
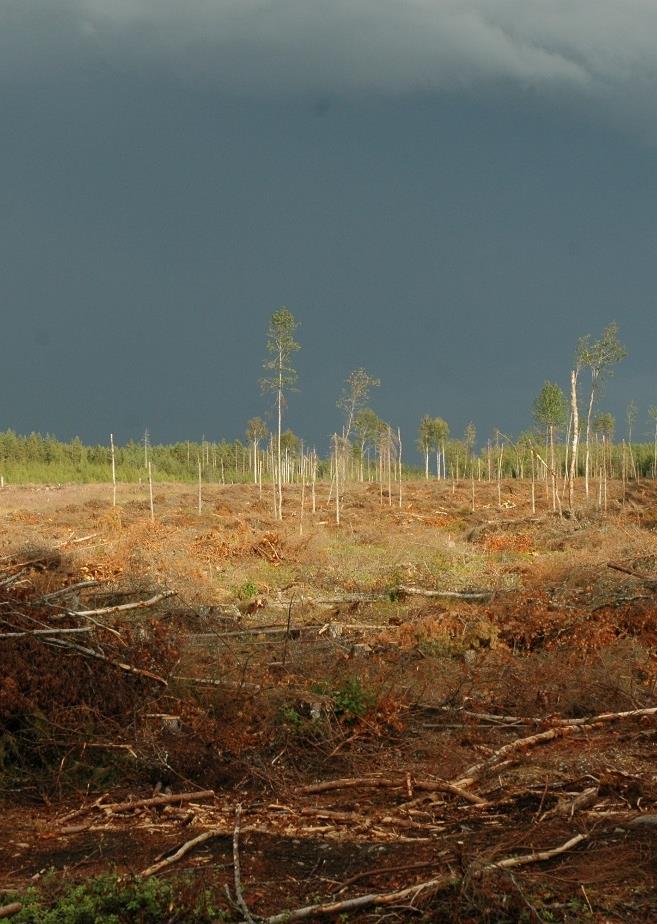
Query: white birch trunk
pixel 113 471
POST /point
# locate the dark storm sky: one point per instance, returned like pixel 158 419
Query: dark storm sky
pixel 446 193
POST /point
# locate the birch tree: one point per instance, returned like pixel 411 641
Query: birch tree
pixel 439 436
pixel 355 395
pixel 256 430
pixel 367 426
pixel 550 412
pixel 652 413
pixel 282 378
pixel 425 441
pixel 598 356
pixel 631 415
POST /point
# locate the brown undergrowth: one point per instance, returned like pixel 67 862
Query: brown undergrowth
pixel 373 740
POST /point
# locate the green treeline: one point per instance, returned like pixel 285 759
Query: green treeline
pixel 38 459
pixel 45 459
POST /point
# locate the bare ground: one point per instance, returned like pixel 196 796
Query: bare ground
pixel 394 693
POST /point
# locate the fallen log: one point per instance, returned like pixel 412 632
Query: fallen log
pixel 645 578
pixel 111 808
pixel 538 856
pixel 564 728
pixel 352 782
pixel 472 773
pixel 552 721
pixel 380 783
pixel 120 608
pixel 207 682
pixel 365 901
pixel 182 851
pixel 482 595
pixel 605 717
pixel 32 632
pixel 13 577
pixel 6 911
pixel 402 590
pixel 65 591
pixel 429 887
pixel 90 653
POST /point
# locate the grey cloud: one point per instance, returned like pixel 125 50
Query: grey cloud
pixel 265 47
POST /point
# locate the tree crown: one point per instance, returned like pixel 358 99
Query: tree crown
pixel 550 406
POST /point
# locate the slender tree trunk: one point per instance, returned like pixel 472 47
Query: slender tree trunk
pixel 150 490
pixel 554 471
pixel 567 451
pixel 600 476
pixel 400 465
pixel 279 403
pixel 113 471
pixel 337 480
pixel 575 438
pixel 389 460
pixel 588 434
pixel 604 470
pixel 303 494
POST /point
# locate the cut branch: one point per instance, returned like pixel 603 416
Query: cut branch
pixel 65 591
pixel 122 607
pixel 539 856
pixel 429 887
pixel 90 653
pixel 446 594
pixel 364 901
pixel 29 632
pixel 645 578
pixel 113 807
pixel 237 878
pixel 182 851
pixel 420 785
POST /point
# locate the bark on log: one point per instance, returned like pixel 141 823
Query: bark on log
pixel 182 851
pixel 380 783
pixel 90 653
pixel 364 901
pixel 32 632
pixel 539 856
pixel 65 591
pixel 427 888
pixel 482 595
pixel 121 607
pixel 111 808
pixel 645 578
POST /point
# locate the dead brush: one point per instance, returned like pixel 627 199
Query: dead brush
pixel 570 682
pixel 71 692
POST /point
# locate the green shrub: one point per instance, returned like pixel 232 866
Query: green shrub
pixel 110 900
pixel 246 591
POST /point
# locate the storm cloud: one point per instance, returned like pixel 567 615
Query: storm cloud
pixel 265 47
pixel 444 180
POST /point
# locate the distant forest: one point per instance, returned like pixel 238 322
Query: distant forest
pixel 46 460
pixel 571 438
